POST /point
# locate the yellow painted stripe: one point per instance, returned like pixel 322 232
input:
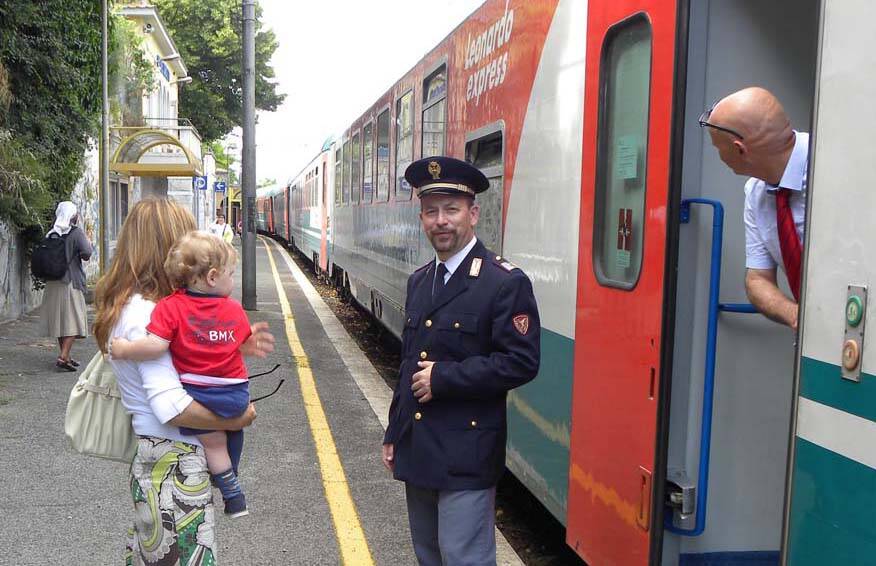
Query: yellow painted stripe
pixel 351 538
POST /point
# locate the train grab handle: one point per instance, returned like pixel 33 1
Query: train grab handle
pixel 715 306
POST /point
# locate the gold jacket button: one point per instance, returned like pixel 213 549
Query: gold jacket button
pixel 423 355
pixel 428 324
pixel 455 325
pixel 418 415
pixel 474 423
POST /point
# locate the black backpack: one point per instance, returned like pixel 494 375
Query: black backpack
pixel 49 258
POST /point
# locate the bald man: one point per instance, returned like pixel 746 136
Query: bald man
pixel 753 137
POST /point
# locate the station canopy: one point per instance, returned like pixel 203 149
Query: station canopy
pixel 134 145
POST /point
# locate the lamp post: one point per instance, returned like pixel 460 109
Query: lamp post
pixel 104 145
pixel 248 169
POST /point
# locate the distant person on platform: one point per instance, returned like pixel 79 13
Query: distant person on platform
pixel 753 137
pixel 471 334
pixel 220 229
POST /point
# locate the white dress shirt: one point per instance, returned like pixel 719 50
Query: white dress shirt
pixel 455 260
pixel 762 249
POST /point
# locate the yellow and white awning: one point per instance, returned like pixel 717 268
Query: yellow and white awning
pixel 127 157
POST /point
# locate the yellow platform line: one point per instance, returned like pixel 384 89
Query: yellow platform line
pixel 351 538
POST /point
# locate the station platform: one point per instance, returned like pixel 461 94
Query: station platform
pixel 317 490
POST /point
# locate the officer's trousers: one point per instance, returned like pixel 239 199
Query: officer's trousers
pixel 453 528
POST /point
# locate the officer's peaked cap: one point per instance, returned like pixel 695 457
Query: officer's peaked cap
pixel 445 175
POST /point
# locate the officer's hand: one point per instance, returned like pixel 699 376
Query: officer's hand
pixel 388 454
pixel 421 382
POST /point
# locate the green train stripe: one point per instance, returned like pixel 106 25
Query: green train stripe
pixel 832 502
pixel 822 382
pixel 539 417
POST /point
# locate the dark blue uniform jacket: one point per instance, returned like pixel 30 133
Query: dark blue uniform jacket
pixel 482 330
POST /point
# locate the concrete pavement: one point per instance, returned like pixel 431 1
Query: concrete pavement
pixel 57 507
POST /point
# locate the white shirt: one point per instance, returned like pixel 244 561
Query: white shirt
pixel 455 260
pixel 762 249
pixel 151 391
pixel 218 229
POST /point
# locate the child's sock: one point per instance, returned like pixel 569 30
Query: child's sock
pixel 228 484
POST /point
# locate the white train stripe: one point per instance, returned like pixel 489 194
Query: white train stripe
pixel 844 433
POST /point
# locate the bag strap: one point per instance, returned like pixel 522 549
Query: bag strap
pixel 104 390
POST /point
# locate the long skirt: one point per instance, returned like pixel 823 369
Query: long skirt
pixel 63 311
pixel 173 506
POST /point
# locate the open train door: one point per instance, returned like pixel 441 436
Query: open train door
pixel 832 492
pixel 617 453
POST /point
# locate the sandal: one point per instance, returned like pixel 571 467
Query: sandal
pixel 65 365
pixel 74 363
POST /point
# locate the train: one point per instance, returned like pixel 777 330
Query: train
pixel 669 423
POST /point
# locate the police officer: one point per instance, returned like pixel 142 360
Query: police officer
pixel 471 334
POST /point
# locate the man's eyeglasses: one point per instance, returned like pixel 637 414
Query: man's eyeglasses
pixel 704 123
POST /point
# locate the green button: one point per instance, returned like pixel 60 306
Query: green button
pixel 854 310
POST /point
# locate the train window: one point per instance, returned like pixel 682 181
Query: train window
pixel 484 150
pixel 404 143
pixel 434 117
pixel 621 155
pixel 367 162
pixel 356 174
pixel 383 156
pixel 338 176
pixel 346 168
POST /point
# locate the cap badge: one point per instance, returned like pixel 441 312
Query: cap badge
pixel 435 170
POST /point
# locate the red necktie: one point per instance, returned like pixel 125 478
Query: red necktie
pixel 789 241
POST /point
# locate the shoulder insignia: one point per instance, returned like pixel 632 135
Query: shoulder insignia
pixel 475 269
pixel 508 266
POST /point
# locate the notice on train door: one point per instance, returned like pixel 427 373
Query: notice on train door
pixel 627 157
pixel 624 237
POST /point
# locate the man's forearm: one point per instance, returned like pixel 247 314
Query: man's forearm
pixel 769 300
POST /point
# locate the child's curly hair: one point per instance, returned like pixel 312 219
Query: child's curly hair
pixel 195 254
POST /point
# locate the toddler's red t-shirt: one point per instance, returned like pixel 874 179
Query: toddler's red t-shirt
pixel 205 333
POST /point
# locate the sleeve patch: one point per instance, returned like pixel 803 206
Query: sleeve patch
pixel 521 323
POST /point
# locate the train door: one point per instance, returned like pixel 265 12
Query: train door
pixel 323 212
pixel 833 474
pixel 732 369
pixel 615 469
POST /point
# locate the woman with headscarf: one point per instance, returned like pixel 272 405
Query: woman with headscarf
pixel 64 314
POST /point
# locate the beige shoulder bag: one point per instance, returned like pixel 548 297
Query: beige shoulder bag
pixel 96 422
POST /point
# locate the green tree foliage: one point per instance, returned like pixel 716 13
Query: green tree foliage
pixel 209 36
pixel 50 99
pixel 51 53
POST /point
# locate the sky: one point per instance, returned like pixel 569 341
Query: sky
pixel 334 59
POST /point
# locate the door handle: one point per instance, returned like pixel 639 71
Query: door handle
pixel 715 306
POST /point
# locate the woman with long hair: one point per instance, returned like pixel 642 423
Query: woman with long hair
pixel 63 308
pixel 170 482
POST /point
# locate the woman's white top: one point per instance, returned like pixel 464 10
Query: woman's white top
pixel 151 391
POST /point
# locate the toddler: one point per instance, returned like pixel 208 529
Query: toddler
pixel 203 328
